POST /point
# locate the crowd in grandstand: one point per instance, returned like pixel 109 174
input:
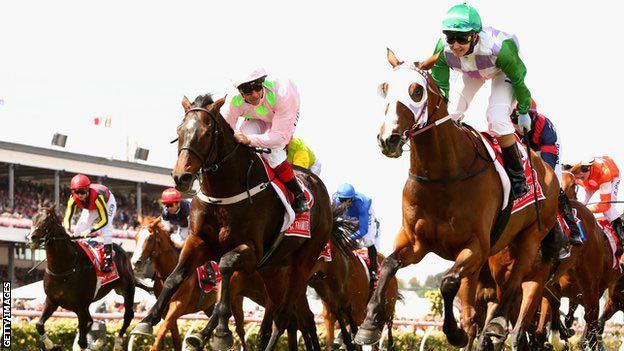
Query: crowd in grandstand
pixel 28 196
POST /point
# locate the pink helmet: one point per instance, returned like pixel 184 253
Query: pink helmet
pixel 249 76
pixel 80 181
pixel 170 196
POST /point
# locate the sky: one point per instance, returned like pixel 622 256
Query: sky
pixel 65 62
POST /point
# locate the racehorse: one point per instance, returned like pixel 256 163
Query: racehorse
pixel 153 245
pixel 71 283
pixel 583 277
pixel 238 223
pixel 344 290
pixel 452 202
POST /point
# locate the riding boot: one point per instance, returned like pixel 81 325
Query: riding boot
pixel 372 267
pixel 514 169
pixel 108 258
pixel 285 173
pixel 211 275
pixel 565 208
pixel 300 203
pixel 617 228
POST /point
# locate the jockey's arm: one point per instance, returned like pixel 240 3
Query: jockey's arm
pixel 230 113
pixel 100 205
pixel 441 70
pixel 363 225
pixel 511 64
pixel 282 126
pixel 301 159
pixel 606 190
pixel 69 213
pixel 166 225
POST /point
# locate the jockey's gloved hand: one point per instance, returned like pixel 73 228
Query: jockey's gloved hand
pixel 524 122
pixel 85 233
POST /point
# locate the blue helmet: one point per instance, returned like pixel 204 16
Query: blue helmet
pixel 345 191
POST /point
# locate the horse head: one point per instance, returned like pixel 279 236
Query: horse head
pixel 198 139
pixel 409 95
pixel 44 225
pixel 568 182
pixel 147 242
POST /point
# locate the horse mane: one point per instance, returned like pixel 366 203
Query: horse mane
pixel 203 101
pixel 342 228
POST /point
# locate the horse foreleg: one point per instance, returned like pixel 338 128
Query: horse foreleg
pixel 464 274
pixel 239 319
pixel 128 296
pixel 330 323
pixel 48 309
pixel 343 320
pixel 84 326
pixel 370 331
pixel 193 255
pixel 615 303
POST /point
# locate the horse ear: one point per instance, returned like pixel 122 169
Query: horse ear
pixel 216 106
pixel 52 209
pixel 186 103
pixel 394 61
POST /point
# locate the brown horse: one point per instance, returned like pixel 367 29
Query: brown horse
pixel 584 276
pixel 344 289
pixel 154 246
pixel 451 204
pixel 243 235
pixel 71 283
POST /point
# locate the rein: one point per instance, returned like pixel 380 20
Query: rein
pixel 74 269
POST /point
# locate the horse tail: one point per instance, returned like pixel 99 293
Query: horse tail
pixel 342 228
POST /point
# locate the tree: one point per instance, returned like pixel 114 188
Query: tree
pixel 414 283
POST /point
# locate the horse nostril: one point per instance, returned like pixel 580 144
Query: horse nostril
pixel 394 140
pixel 186 178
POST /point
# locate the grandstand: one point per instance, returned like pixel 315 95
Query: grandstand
pixel 32 176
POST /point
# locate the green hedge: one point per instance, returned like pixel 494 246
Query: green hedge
pixel 63 331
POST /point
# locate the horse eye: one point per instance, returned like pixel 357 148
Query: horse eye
pixel 417 94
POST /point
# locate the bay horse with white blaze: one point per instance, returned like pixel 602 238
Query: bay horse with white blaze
pixel 452 202
pixel 242 235
pixel 72 283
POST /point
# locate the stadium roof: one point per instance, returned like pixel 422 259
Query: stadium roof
pixel 70 162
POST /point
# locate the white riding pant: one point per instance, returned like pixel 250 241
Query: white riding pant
pixel 180 235
pixel 500 103
pixel 256 126
pixel 316 167
pixel 89 217
pixel 374 233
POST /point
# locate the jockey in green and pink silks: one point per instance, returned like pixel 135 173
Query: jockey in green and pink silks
pixel 270 108
pixel 480 54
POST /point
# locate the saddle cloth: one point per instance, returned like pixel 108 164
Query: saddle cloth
pixel 95 252
pixel 326 254
pixel 202 277
pixel 298 225
pixel 607 230
pixel 493 148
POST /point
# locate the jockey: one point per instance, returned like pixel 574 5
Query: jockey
pixel 98 210
pixel 601 173
pixel 298 154
pixel 544 140
pixel 271 110
pixel 368 233
pixel 482 54
pixel 177 212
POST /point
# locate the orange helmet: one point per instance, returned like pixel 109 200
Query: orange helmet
pixel 170 196
pixel 79 181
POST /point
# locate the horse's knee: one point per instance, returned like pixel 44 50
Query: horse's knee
pixel 450 285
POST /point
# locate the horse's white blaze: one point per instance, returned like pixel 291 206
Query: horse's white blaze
pixel 398 91
pixel 190 125
pixel 138 250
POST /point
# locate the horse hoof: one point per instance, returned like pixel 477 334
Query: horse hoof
pixel 458 339
pixel 195 341
pixel 142 329
pixel 367 336
pixel 222 342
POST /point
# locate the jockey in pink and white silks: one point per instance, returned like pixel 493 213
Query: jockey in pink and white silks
pixel 270 108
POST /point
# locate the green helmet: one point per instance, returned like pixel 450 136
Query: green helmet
pixel 462 18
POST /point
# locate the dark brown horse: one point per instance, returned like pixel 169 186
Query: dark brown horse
pixel 345 292
pixel 71 283
pixel 242 235
pixel 584 276
pixel 451 203
pixel 155 247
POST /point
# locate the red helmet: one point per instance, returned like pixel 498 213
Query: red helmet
pixel 170 196
pixel 80 181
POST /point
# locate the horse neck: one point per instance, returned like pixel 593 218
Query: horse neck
pixel 442 151
pixel 58 251
pixel 231 177
pixel 166 261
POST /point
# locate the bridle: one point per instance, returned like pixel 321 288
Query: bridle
pixel 214 167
